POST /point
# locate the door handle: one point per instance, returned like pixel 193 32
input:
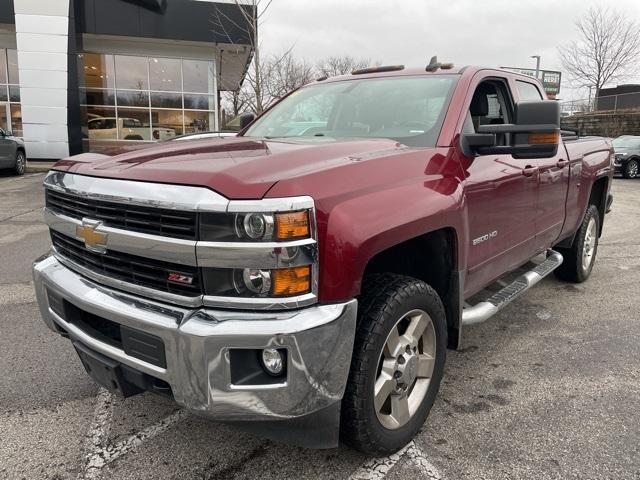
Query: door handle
pixel 562 163
pixel 529 171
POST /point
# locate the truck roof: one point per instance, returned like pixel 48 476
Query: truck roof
pixel 400 70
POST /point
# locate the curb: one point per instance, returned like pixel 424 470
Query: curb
pixel 39 168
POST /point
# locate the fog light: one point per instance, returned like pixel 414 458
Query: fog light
pixel 272 361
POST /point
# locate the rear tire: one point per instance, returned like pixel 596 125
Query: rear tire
pixel 630 169
pixel 21 163
pixel 400 348
pixel 579 259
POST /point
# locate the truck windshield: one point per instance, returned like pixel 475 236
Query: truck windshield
pixel 409 110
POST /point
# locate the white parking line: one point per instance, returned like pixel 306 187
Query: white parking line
pixel 112 452
pixel 377 468
pixel 99 453
pixel 97 436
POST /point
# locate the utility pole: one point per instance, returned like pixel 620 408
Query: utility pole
pixel 589 102
pixel 537 57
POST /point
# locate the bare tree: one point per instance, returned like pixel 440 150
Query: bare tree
pixel 341 65
pixel 608 49
pixel 285 73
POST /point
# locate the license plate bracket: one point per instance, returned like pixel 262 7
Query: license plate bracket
pixel 105 371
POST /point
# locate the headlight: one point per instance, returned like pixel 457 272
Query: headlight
pixel 254 227
pixel 249 282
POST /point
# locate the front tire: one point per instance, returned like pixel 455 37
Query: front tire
pixel 630 169
pixel 21 163
pixel 579 259
pixel 397 364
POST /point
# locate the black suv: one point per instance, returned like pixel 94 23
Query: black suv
pixel 12 153
pixel 627 161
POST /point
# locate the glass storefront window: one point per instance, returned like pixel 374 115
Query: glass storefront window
pixel 101 123
pixel 132 98
pixel 16 120
pixel 12 66
pixel 3 66
pixel 195 122
pixel 166 124
pixel 199 102
pixel 10 109
pixel 99 70
pixel 198 76
pixel 166 100
pixel 145 98
pixel 134 124
pixel 165 74
pixel 132 73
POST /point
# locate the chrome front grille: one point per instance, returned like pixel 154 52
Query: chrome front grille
pixel 150 220
pixel 145 272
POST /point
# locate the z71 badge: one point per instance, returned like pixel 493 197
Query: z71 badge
pixel 180 278
pixel 485 237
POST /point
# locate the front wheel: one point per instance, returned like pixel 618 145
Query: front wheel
pixel 579 259
pixel 630 169
pixel 21 163
pixel 397 364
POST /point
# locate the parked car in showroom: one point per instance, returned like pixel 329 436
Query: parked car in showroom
pixel 305 283
pixel 627 159
pixel 110 128
pixel 12 153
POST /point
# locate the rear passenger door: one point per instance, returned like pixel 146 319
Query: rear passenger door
pixel 554 181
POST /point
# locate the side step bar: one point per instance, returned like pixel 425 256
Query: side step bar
pixel 486 309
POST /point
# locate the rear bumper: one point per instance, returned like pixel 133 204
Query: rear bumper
pixel 318 341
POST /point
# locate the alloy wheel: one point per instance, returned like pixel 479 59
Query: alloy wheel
pixel 405 368
pixel 590 240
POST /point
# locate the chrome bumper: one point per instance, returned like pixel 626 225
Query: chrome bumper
pixel 318 340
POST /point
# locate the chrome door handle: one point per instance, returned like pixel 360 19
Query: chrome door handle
pixel 529 171
pixel 562 163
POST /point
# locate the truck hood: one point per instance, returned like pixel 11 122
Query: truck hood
pixel 238 168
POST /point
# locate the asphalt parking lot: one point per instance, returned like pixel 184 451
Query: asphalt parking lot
pixel 549 388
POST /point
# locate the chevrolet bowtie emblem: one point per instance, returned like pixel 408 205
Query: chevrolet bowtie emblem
pixel 93 240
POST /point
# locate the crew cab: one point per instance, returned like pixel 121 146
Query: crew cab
pixel 305 283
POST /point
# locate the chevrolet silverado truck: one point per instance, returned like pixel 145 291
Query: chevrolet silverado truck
pixel 306 285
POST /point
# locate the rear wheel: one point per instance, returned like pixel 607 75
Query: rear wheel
pixel 630 169
pixel 397 364
pixel 21 163
pixel 579 259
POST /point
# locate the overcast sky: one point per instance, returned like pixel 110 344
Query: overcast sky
pixel 486 32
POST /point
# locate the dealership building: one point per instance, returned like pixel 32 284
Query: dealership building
pixel 84 75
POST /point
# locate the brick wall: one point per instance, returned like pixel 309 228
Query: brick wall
pixel 606 124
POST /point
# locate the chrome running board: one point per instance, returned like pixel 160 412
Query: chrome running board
pixel 484 310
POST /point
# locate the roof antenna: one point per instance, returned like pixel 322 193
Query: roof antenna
pixel 435 65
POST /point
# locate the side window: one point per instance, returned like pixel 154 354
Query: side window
pixel 95 124
pixel 528 91
pixel 491 105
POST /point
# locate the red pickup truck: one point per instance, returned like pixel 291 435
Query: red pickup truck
pixel 305 279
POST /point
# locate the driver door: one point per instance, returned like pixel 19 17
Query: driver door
pixel 501 193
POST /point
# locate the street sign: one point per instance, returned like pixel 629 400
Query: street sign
pixel 550 79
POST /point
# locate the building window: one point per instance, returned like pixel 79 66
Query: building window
pixel 128 98
pixel 10 109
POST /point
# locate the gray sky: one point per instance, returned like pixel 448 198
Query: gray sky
pixel 486 32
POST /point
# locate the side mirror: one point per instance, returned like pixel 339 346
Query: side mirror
pixel 246 119
pixel 535 133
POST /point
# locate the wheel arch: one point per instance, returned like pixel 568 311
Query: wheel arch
pixel 433 258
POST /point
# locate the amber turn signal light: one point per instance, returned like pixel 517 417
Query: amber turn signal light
pixel 292 225
pixel 291 281
pixel 544 138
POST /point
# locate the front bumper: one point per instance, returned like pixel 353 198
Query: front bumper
pixel 318 341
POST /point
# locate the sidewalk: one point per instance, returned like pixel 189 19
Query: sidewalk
pixel 34 166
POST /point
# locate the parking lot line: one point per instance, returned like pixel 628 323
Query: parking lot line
pixel 377 468
pixel 97 436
